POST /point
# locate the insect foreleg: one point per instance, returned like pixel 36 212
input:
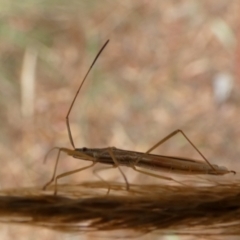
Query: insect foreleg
pixel 70 173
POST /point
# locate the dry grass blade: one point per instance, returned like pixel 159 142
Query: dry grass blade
pixel 163 208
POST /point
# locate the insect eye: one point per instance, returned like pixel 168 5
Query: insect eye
pixel 84 149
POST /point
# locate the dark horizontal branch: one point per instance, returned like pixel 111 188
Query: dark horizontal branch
pixel 86 207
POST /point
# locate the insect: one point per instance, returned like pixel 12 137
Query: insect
pixel 119 157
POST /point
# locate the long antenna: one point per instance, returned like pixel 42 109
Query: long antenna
pixel 74 99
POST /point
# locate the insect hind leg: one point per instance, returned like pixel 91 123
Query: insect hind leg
pixel 156 175
pixel 185 136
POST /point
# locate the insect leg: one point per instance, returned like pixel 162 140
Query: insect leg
pixel 70 153
pixel 185 136
pixel 55 169
pixel 117 165
pixel 75 154
pixel 70 173
pixel 95 172
pixel 155 175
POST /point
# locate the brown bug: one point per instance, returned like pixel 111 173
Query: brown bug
pixel 119 157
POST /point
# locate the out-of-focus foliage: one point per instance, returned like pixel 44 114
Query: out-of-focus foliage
pixel 159 73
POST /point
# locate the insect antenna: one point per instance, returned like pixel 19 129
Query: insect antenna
pixel 74 99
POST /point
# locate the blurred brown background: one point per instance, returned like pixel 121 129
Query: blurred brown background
pixel 169 65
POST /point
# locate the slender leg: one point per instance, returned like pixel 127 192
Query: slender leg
pixel 170 136
pixel 117 165
pixel 70 173
pixel 95 172
pixel 55 170
pixel 156 175
pixel 69 152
